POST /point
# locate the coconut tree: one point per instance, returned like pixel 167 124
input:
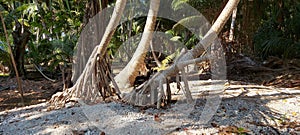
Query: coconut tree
pixel 127 76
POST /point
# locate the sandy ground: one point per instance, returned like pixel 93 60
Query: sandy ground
pixel 239 109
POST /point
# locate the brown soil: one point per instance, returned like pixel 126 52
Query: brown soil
pixel 271 72
pixel 35 91
pixel 276 72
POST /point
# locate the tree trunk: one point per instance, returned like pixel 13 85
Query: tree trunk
pixel 84 47
pixel 21 36
pixel 13 60
pixel 127 76
pixel 231 33
pixel 139 97
pixel 87 42
pixel 86 87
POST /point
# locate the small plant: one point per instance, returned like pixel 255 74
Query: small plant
pixel 52 53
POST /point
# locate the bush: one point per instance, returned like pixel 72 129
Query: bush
pixel 279 35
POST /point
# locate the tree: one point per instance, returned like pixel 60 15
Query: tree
pixel 21 37
pixel 46 29
pixel 86 43
pixel 127 76
pixel 154 86
pixel 13 61
pixel 86 85
pixel 20 34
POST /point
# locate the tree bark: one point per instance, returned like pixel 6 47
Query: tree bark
pixel 86 88
pixel 86 42
pixel 231 33
pixel 21 36
pixel 127 76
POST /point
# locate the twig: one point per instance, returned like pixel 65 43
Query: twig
pixel 13 61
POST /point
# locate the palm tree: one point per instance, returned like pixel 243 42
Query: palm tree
pixel 139 96
pixel 127 76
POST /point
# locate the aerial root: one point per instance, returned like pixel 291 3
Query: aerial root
pixel 152 92
pixel 94 84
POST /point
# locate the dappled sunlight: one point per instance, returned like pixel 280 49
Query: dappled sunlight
pixel 150 67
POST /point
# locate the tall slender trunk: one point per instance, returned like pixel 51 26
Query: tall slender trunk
pixel 86 88
pixel 231 33
pixel 84 47
pixel 127 76
pixel 12 60
pixel 86 42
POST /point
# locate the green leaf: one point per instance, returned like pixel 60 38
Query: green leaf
pixel 189 22
pixel 175 38
pixel 170 33
pixel 22 8
pixel 1 8
pixel 178 4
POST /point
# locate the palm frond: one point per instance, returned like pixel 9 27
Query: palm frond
pixel 190 21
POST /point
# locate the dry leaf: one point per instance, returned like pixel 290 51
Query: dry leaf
pixel 156 118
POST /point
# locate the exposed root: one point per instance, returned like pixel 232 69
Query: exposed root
pixel 152 92
pixel 94 84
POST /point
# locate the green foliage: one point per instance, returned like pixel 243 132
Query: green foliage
pixel 55 27
pixel 178 4
pixel 183 35
pixel 52 53
pixel 179 32
pixel 124 32
pixel 167 61
pixel 4 55
pixel 280 34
